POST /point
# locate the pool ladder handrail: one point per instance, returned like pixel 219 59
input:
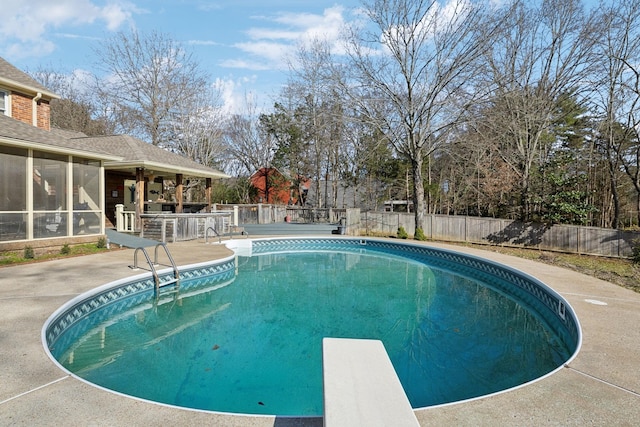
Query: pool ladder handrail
pixel 206 235
pixel 152 266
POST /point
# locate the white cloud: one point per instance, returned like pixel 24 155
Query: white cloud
pixel 440 17
pixel 75 36
pixel 207 6
pixel 203 43
pixel 272 52
pixel 244 64
pixel 25 25
pixel 269 46
pixel 116 14
pixel 326 26
pixel 233 93
pixel 272 34
pixel 25 50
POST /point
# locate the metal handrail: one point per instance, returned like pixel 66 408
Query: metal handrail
pixel 176 273
pixel 152 266
pixel 206 234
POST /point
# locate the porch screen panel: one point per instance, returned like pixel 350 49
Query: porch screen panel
pixel 87 213
pixel 50 214
pixel 13 193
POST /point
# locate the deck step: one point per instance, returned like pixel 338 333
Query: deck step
pixel 167 283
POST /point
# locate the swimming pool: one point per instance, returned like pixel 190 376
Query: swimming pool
pixel 441 301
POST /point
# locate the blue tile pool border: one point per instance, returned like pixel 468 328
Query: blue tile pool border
pixel 117 296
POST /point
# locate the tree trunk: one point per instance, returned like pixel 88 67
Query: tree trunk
pixel 418 192
pixel 525 211
pixel 638 208
pixel 615 221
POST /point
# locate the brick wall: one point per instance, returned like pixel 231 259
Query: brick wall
pixel 44 115
pixel 21 109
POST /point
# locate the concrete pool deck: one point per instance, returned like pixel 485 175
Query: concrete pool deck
pixel 601 386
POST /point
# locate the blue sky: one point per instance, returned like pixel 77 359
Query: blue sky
pixel 242 44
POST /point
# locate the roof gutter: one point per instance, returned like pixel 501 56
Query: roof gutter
pixel 14 142
pixel 166 168
pixel 34 109
pixel 12 85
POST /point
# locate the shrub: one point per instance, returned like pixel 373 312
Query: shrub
pixel 65 250
pixel 402 233
pixel 102 243
pixel 28 253
pixel 635 251
pixel 419 234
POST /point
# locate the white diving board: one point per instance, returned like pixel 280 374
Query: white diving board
pixel 361 387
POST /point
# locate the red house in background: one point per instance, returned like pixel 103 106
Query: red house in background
pixel 275 188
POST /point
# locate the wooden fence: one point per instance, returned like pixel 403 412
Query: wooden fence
pixel 179 227
pixel 494 231
pixel 266 214
pixel 256 213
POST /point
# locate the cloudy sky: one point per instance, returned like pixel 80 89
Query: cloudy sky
pixel 242 44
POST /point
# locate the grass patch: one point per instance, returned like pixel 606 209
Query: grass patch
pixel 25 256
pixel 622 272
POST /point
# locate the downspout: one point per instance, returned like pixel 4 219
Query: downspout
pixel 34 109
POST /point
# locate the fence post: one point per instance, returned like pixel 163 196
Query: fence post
pixel 175 230
pixel 466 227
pixel 352 221
pixel 619 233
pixel 366 222
pixel 431 227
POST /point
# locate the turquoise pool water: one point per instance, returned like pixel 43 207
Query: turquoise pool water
pixel 247 339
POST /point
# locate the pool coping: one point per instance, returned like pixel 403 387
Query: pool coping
pixel 599 386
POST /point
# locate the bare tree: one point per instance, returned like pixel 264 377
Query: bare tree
pixel 479 181
pixel 319 111
pixel 413 64
pixel 197 129
pixel 76 109
pixel 248 144
pixel 544 53
pixel 618 96
pixel 147 77
pixel 307 124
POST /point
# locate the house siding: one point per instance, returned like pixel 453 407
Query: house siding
pixel 114 181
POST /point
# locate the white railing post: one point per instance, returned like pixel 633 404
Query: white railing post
pixel 125 221
pixel 132 221
pixel 119 217
pixel 235 216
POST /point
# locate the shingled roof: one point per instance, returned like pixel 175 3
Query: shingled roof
pixel 120 152
pixel 16 79
pixel 136 153
pixel 17 133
